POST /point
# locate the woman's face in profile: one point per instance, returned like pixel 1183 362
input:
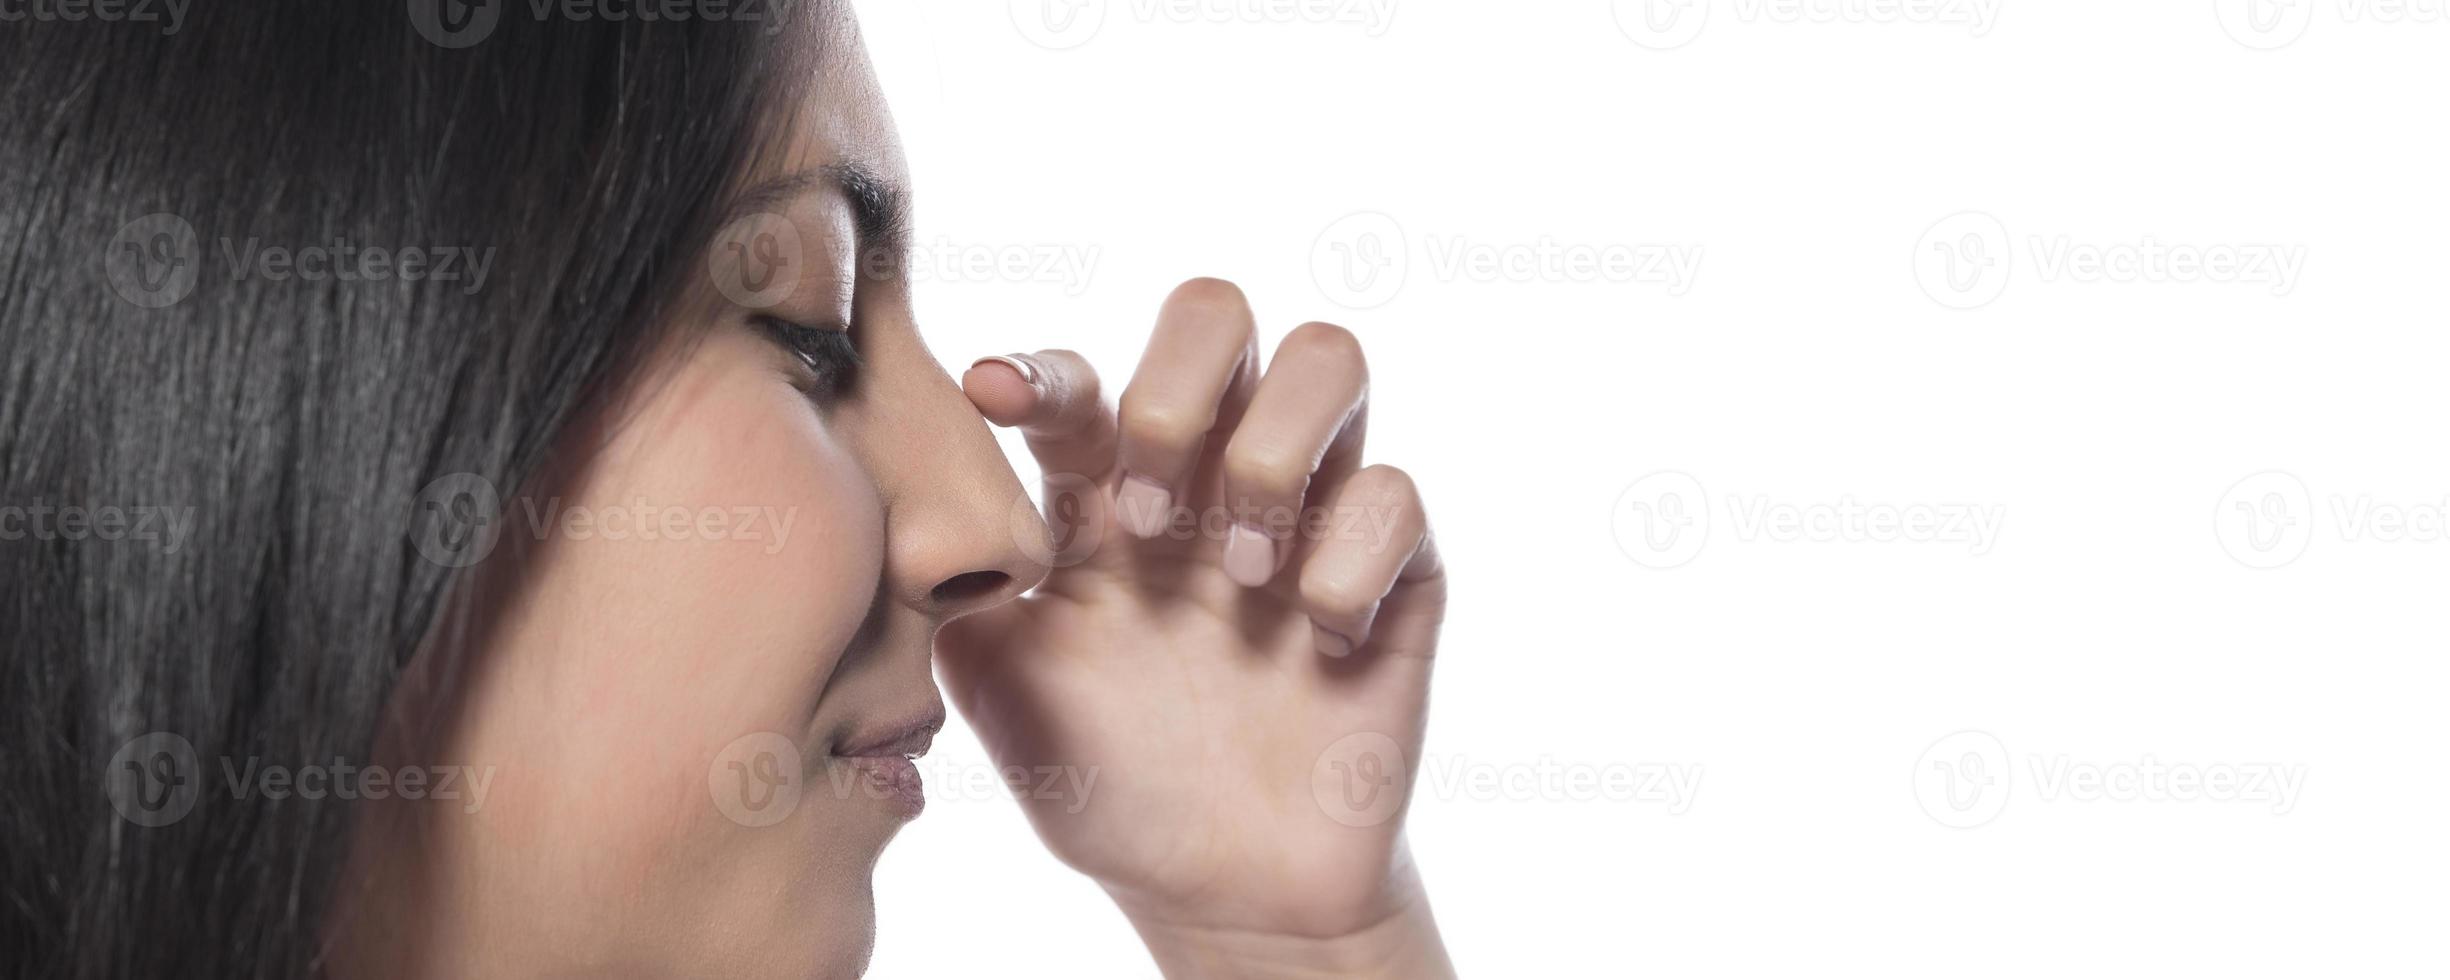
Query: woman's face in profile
pixel 702 651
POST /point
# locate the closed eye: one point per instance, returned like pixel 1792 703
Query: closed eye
pixel 827 355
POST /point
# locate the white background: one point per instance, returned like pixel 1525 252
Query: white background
pixel 2115 616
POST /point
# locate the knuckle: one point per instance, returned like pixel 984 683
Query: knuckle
pixel 1169 424
pixel 1338 595
pixel 1069 371
pixel 1269 471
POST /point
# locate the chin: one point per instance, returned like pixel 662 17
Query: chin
pixel 853 938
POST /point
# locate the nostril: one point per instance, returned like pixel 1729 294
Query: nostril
pixel 968 587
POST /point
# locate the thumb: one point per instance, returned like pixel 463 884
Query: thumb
pixel 1052 397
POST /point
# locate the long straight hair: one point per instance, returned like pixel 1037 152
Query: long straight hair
pixel 273 421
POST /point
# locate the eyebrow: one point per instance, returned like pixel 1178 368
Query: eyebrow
pixel 880 208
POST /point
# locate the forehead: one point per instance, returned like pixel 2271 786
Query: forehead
pixel 836 115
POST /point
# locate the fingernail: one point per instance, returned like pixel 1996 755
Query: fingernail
pixel 1019 363
pixel 1143 506
pixel 1250 556
pixel 1331 643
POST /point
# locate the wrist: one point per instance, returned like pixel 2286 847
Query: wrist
pixel 1400 941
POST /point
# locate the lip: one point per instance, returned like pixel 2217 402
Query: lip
pixel 910 737
pixel 883 755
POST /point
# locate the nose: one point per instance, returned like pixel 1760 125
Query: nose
pixel 955 554
pixel 953 537
pixel 956 518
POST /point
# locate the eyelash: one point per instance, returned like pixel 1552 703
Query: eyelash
pixel 829 354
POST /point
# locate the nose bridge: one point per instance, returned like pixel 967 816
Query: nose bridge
pixel 956 516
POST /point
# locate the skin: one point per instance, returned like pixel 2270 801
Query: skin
pixel 607 684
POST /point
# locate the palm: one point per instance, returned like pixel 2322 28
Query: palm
pixel 1201 710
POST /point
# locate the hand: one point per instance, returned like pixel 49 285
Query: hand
pixel 1245 688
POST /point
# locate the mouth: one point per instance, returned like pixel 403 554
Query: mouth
pixel 886 756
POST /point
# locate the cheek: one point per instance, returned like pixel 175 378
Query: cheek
pixel 695 584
